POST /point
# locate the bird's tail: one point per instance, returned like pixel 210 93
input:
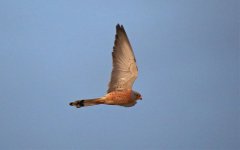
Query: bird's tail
pixel 87 102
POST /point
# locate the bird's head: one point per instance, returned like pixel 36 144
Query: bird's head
pixel 138 95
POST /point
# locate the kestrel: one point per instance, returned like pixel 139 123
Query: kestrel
pixel 123 75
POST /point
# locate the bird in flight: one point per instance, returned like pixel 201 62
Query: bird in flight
pixel 124 73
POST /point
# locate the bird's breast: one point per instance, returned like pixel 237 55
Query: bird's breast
pixel 119 97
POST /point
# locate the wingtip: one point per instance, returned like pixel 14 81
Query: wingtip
pixel 119 26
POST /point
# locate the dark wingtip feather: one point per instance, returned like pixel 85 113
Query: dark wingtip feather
pixel 119 27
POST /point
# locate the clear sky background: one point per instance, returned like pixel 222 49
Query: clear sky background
pixel 55 52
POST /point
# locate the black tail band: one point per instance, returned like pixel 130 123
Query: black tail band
pixel 81 103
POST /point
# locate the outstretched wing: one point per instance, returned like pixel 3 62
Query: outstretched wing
pixel 124 71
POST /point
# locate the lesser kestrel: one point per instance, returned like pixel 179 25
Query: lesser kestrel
pixel 124 73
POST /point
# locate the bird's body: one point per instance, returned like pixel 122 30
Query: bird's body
pixel 123 98
pixel 124 73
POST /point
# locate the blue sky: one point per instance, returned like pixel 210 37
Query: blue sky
pixel 54 52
